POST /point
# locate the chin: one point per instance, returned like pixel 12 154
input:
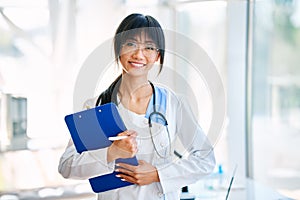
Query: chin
pixel 137 72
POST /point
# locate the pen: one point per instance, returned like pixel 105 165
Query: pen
pixel 231 181
pixel 117 138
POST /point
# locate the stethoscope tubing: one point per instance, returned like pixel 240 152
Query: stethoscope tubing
pixel 154 112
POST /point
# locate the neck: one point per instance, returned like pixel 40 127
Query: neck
pixel 134 88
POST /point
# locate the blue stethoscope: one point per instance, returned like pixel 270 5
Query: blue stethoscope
pixel 152 114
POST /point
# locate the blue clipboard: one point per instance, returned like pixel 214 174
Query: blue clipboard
pixel 90 130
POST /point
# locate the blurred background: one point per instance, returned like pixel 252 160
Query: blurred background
pixel 255 46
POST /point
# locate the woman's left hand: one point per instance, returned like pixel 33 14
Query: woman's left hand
pixel 143 174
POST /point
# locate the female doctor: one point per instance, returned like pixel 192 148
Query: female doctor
pixel 155 118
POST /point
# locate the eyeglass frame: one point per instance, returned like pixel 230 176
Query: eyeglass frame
pixel 138 47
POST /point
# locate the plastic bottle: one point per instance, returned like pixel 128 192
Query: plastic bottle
pixel 220 176
pixel 215 180
pixel 185 195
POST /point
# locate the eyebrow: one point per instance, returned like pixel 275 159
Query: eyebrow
pixel 148 41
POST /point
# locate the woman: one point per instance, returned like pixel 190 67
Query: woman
pixel 155 118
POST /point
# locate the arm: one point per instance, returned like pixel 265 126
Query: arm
pixel 98 162
pixel 199 160
pixel 86 165
pixel 124 148
pixel 143 174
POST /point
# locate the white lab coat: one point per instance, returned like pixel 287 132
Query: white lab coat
pixel 174 173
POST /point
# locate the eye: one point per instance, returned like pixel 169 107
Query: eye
pixel 130 44
pixel 150 47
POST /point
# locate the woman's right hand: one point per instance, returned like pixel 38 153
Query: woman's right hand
pixel 124 148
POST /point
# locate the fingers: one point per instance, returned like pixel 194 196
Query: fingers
pixel 127 178
pixel 141 162
pixel 131 167
pixel 130 133
pixel 142 174
pixel 125 171
pixel 131 141
pixel 127 147
pixel 126 166
pixel 126 174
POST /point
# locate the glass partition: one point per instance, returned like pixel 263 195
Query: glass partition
pixel 276 95
pixel 220 28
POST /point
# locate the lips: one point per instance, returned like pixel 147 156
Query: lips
pixel 137 64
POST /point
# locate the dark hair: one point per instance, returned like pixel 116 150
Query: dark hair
pixel 132 25
pixel 135 24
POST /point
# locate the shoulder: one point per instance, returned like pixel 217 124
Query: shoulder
pixel 170 96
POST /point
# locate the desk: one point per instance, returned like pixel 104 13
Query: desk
pixel 250 190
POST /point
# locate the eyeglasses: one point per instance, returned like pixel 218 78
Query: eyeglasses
pixel 148 49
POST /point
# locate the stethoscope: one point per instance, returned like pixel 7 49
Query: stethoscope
pixel 152 114
pixel 165 123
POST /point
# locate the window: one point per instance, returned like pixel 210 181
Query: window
pixel 13 124
pixel 18 116
pixel 276 95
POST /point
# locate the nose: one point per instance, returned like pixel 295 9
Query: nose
pixel 138 53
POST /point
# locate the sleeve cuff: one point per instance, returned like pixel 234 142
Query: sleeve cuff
pixel 100 155
pixel 166 177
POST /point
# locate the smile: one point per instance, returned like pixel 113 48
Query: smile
pixel 137 65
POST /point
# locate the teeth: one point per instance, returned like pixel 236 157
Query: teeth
pixel 137 64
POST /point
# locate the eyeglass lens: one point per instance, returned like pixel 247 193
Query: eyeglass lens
pixel 147 48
